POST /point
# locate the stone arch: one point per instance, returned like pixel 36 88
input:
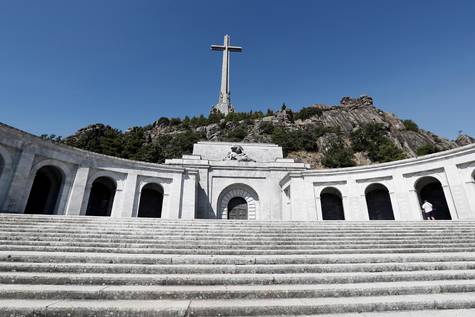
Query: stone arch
pixel 238 190
pixel 430 188
pixel 47 184
pixel 332 204
pixel 378 202
pixel 101 196
pixel 67 174
pixel 151 201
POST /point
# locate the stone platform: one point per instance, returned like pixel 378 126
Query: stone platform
pixel 100 266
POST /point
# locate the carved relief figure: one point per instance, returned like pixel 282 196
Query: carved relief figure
pixel 237 154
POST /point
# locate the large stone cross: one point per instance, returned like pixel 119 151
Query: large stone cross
pixel 224 103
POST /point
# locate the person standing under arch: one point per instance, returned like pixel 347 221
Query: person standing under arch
pixel 428 210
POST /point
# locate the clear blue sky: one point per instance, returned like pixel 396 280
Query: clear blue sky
pixel 66 64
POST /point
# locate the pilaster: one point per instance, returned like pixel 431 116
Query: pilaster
pixel 17 196
pixel 129 196
pixel 76 202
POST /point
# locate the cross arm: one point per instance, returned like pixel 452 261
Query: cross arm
pixel 217 48
pixel 235 48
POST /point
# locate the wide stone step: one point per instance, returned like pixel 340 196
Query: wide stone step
pixel 145 292
pixel 239 307
pixel 229 279
pixel 211 222
pixel 218 251
pixel 229 239
pixel 469 312
pixel 225 241
pixel 237 234
pixel 124 258
pixel 192 247
pixel 97 266
pixel 231 268
pixel 321 226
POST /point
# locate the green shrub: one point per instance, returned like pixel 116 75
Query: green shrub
pixel 198 121
pixel 172 146
pixel 427 149
pixel 215 117
pixel 266 128
pixel 387 152
pixel 294 140
pixel 237 134
pixel 410 125
pixel 372 138
pixel 307 112
pixel 338 155
pixel 367 137
pixel 240 116
pixel 175 121
pixel 162 121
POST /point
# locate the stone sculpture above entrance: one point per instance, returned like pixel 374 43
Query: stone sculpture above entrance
pixel 257 152
pixel 237 154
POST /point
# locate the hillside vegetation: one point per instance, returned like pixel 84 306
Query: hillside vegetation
pixel 351 133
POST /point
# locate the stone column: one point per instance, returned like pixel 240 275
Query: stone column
pixel 450 202
pixel 470 189
pixel 174 198
pixel 286 204
pixel 129 196
pixel 416 209
pixel 345 200
pixel 461 206
pixel 116 211
pixel 400 200
pixel 76 202
pixel 394 205
pixel 188 204
pixel 355 208
pixel 302 200
pixel 318 207
pixel 17 196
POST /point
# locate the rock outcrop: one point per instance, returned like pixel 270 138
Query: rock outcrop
pixel 313 130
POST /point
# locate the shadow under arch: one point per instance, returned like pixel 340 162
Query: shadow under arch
pixel 378 202
pixel 151 201
pixel 332 204
pixel 430 188
pixel 243 191
pixel 45 190
pixel 101 197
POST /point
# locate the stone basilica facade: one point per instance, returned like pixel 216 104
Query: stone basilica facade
pixel 228 181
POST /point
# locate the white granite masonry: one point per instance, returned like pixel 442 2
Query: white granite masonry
pixel 225 180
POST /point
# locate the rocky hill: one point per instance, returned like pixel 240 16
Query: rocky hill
pixel 354 132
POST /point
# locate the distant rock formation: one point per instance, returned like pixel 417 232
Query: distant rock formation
pixel 308 135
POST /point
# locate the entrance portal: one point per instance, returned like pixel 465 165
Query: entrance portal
pixel 237 208
pixel 151 199
pixel 379 202
pixel 332 205
pixel 45 190
pixel 101 197
pixel 430 189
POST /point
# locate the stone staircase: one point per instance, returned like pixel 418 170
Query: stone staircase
pixel 92 266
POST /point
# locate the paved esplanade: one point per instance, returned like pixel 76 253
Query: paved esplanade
pixel 224 104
